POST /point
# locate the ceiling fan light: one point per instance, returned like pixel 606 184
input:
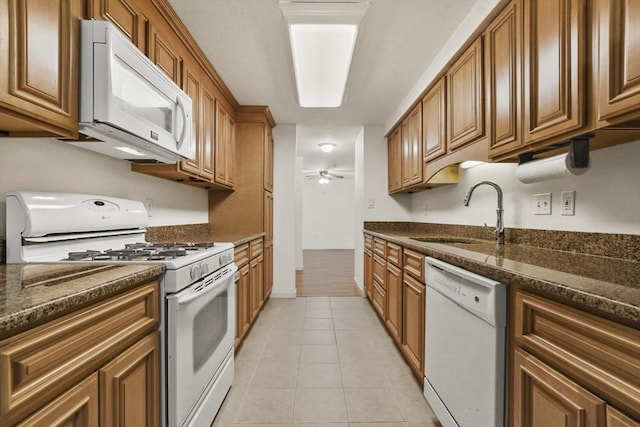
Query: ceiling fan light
pixel 323 180
pixel 327 147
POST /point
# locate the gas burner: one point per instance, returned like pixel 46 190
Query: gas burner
pixel 129 254
pixel 89 254
pixel 140 245
pixel 172 252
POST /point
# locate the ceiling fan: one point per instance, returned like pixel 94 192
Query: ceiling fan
pixel 324 176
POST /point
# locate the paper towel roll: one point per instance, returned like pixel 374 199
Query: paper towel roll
pixel 546 169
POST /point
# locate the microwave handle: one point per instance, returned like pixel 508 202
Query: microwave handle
pixel 190 295
pixel 185 119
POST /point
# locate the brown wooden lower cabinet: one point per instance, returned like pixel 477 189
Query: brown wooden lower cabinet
pixel 413 324
pixel 96 366
pixel 77 407
pixel 393 317
pixel 378 296
pixel 254 283
pixel 543 397
pixel 368 272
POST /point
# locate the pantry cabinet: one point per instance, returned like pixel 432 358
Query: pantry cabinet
pixel 76 368
pixel 503 61
pixel 465 98
pixel 571 365
pixel 39 60
pixel 555 68
pixel 618 74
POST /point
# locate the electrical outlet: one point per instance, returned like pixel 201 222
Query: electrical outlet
pixel 372 203
pixel 542 204
pixel 568 203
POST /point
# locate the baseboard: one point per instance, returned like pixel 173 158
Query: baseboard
pixel 283 294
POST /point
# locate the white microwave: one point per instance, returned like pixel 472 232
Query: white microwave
pixel 128 107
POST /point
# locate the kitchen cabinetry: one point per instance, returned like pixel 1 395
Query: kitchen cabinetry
pixel 411 135
pixel 465 100
pixel 394 154
pixel 393 317
pixel 618 65
pixel 555 71
pixel 250 285
pixel 570 365
pixel 413 311
pixel 69 367
pixel 434 124
pixel 225 147
pixel 39 67
pixel 127 15
pixel 165 51
pixel 249 209
pixel 503 63
pixel 368 272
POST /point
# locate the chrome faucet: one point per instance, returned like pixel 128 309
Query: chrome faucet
pixel 499 231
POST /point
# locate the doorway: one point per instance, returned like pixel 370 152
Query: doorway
pixel 327 272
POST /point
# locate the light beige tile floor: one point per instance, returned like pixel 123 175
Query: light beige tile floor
pixel 322 362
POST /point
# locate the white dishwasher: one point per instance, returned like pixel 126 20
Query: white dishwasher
pixel 464 346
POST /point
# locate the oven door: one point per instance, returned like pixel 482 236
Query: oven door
pixel 200 333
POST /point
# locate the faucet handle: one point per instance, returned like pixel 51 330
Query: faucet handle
pixel 488 229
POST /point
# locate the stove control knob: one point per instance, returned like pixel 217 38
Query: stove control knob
pixel 195 271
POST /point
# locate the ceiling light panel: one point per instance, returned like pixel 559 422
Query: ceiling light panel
pixel 323 37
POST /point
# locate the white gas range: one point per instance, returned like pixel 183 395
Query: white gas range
pixel 198 314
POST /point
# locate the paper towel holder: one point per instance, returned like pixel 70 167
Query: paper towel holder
pixel 579 151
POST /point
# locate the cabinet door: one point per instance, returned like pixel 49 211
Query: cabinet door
pixel 543 397
pixel 193 87
pixel 268 217
pixel 619 61
pixel 394 161
pixel 243 315
pixel 368 272
pixel 503 61
pixel 394 301
pixel 268 160
pixel 39 65
pixel 378 297
pixel 130 386
pixel 164 53
pixel 554 68
pixel 78 407
pixel 379 270
pixel 222 150
pixel 412 148
pixel 434 124
pixel 205 147
pixel 256 273
pixel 413 295
pixel 465 108
pixel 124 14
pixel 616 418
pixel 268 271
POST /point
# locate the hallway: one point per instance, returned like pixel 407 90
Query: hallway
pixel 327 273
pixel 326 361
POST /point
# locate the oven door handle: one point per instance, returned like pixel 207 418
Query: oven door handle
pixel 191 294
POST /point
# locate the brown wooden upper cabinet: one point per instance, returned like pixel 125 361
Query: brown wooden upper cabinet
pixel 465 100
pixel 555 68
pixel 39 67
pixel 503 62
pixel 619 60
pixel 225 147
pixel 411 134
pixel 394 152
pixel 434 124
pixel 164 52
pixel 127 15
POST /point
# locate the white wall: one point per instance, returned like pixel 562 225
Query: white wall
pixel 327 219
pixel 298 210
pixel 607 196
pixel 358 262
pixel 284 211
pixel 39 164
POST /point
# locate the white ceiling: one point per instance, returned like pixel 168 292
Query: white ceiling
pixel 247 43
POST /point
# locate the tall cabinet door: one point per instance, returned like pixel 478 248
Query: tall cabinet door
pixel 619 58
pixel 395 161
pixel 413 295
pixel 554 67
pixel 434 124
pixel 268 160
pixel 39 64
pixel 394 301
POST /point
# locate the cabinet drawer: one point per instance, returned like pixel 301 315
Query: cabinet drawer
pixel 414 264
pixel 48 360
pixel 378 296
pixel 368 242
pixel 394 254
pixel 379 270
pixel 241 254
pixel 380 247
pixel 601 355
pixel 255 248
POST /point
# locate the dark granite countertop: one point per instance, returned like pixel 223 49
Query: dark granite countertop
pixel 606 285
pixel 198 233
pixel 31 294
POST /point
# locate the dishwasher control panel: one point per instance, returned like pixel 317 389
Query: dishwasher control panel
pixel 482 296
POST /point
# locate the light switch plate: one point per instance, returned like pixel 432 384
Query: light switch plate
pixel 542 204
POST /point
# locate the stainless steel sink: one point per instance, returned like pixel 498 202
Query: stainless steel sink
pixel 444 240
